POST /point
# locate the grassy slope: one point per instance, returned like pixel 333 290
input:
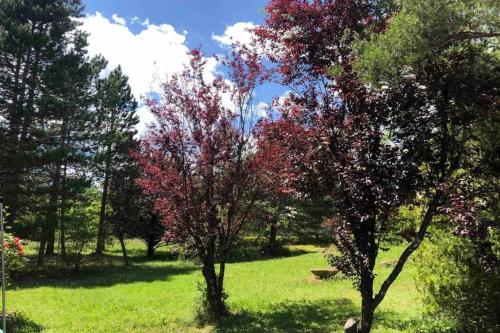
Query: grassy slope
pixel 276 295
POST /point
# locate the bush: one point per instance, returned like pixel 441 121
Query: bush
pixel 18 323
pixel 15 260
pixel 81 226
pixel 203 313
pixel 459 295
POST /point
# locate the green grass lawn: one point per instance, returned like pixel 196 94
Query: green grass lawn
pixel 276 295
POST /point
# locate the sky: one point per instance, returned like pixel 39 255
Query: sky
pixel 150 39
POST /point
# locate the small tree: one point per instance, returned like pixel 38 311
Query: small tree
pixel 197 162
pixel 132 213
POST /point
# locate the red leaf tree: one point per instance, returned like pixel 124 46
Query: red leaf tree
pixel 372 151
pixel 198 163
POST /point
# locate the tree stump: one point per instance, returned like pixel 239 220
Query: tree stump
pixel 324 273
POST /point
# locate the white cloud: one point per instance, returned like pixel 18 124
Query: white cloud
pixel 134 20
pixel 238 32
pixel 145 118
pixel 119 20
pixel 262 109
pixel 147 57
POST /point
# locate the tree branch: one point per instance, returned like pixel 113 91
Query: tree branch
pixel 468 35
pixel 431 211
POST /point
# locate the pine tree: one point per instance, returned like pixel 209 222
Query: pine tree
pixel 34 33
pixel 66 101
pixel 117 120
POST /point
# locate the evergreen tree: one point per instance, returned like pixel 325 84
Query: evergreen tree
pixel 117 120
pixel 34 34
pixel 67 143
pixel 132 213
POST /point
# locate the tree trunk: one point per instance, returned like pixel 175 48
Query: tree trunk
pixel 101 234
pixel 52 214
pixel 367 306
pixel 43 244
pixel 63 214
pixel 366 242
pixel 50 219
pixel 273 232
pixel 151 249
pixel 216 308
pixel 124 249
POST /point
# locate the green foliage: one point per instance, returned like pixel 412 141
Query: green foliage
pixel 299 219
pixel 403 226
pixel 81 225
pixel 458 294
pixel 20 323
pixel 203 315
pixel 15 261
pixel 423 30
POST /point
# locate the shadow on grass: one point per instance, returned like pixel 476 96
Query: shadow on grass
pixel 140 254
pixel 247 251
pixel 103 275
pixel 393 320
pixel 322 316
pixel 318 317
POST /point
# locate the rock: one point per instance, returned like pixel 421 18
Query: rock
pixel 325 273
pixel 351 326
pixel 389 263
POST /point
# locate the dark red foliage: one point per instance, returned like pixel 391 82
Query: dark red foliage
pixel 304 37
pixel 372 151
pixel 197 160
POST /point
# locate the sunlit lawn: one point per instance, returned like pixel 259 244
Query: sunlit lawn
pixel 277 295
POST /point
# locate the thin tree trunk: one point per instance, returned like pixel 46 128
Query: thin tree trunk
pixel 40 256
pixel 101 235
pixel 52 214
pixel 124 249
pixel 273 232
pixel 63 214
pixel 50 218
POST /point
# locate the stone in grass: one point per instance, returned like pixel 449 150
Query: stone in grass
pixel 351 326
pixel 325 273
pixel 389 263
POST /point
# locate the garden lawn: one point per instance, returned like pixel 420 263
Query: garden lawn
pixel 275 295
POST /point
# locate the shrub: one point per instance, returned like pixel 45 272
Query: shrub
pixel 81 227
pixel 14 255
pixel 19 323
pixel 459 294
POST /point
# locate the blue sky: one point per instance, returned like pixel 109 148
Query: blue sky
pixel 200 18
pixel 150 39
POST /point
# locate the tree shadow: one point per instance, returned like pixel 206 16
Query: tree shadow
pixel 140 254
pixel 104 276
pixel 249 251
pixel 314 317
pixel 393 320
pixel 319 317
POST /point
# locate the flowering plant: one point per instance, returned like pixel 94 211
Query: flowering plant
pixel 14 254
